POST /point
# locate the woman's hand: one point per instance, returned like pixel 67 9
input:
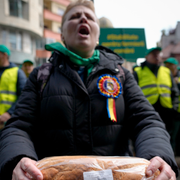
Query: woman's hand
pixel 166 173
pixel 26 169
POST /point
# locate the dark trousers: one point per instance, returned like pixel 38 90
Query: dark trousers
pixel 172 121
pixel 174 133
pixel 166 114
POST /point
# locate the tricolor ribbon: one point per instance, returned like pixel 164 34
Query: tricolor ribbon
pixel 110 87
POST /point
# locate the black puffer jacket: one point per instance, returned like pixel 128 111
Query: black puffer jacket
pixel 71 118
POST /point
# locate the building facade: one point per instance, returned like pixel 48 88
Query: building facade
pixel 52 16
pixel 170 43
pixel 21 25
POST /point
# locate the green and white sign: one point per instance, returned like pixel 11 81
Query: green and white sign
pixel 128 43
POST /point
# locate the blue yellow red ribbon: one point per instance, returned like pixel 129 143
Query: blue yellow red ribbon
pixel 110 87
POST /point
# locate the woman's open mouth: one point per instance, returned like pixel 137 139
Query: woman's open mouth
pixel 83 31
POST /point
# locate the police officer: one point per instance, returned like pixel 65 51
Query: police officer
pixel 172 64
pixel 158 86
pixel 12 81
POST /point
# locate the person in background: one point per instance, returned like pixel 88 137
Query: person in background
pixel 133 68
pixel 12 81
pixel 27 67
pixel 84 109
pixel 158 86
pixel 172 64
pixel 178 68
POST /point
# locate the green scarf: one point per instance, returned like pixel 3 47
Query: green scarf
pixel 76 59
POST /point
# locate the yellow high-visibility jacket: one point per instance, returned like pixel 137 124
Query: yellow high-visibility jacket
pixel 8 89
pixel 156 87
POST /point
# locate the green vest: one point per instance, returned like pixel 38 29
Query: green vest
pixel 179 97
pixel 156 87
pixel 8 89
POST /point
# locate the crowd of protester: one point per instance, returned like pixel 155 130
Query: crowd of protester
pixel 84 102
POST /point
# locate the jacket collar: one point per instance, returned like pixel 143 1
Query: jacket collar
pixel 108 59
pixel 145 63
pixel 7 67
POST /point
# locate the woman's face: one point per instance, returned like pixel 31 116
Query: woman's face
pixel 80 31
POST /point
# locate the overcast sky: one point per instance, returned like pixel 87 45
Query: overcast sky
pixel 152 15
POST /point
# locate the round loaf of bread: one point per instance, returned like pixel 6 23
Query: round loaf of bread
pixel 74 167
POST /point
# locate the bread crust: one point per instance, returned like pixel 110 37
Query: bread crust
pixel 73 167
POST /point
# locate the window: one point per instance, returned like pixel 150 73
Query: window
pixel 15 8
pixel 19 41
pixel 19 8
pixel 39 44
pixel 32 45
pixel 25 10
pixel 49 40
pixel 12 40
pixel 15 40
pixel 59 29
pixel 4 36
pixel 41 24
pixel 60 11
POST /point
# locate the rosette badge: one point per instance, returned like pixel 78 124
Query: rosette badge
pixel 110 87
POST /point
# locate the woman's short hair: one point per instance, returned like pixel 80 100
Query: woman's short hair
pixel 88 4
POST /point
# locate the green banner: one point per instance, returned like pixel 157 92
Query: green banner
pixel 128 43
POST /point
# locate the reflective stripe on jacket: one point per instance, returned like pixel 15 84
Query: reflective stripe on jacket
pixel 8 89
pixel 156 87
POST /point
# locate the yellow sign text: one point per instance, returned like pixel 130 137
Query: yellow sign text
pixel 122 37
pixel 123 44
pixel 124 51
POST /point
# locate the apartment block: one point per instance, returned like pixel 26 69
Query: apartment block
pixel 53 11
pixel 170 43
pixel 21 25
